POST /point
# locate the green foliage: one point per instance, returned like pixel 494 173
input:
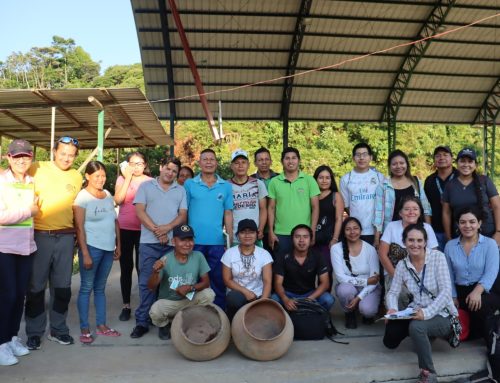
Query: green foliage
pixel 122 76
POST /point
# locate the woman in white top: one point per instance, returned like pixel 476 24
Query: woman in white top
pixel 246 269
pixel 423 272
pixel 355 263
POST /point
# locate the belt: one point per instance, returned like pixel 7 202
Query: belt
pixel 54 232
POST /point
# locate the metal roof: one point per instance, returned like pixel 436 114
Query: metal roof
pixel 27 114
pixel 448 79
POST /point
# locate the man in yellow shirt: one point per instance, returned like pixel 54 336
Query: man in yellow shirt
pixel 56 186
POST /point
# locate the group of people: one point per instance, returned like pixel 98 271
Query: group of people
pixel 200 239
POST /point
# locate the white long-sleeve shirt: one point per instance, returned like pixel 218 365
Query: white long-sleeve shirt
pixel 364 266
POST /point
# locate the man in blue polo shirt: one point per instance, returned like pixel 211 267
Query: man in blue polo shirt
pixel 210 205
pixel 160 205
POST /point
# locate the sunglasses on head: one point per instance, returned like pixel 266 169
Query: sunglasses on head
pixel 69 140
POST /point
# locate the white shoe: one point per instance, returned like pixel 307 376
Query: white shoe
pixel 6 356
pixel 17 348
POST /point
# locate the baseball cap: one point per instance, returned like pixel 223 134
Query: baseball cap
pixel 247 224
pixel 467 152
pixel 18 147
pixel 442 148
pixel 183 231
pixel 239 153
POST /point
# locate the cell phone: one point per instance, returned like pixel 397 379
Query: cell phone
pixel 123 166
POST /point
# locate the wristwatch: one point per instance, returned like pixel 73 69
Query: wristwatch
pixel 193 289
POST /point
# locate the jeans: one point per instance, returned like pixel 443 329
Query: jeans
pixel 213 255
pixel 129 240
pixel 95 279
pixel 15 273
pixel 419 332
pixel 326 299
pixel 149 253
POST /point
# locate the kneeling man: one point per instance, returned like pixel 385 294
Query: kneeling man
pixel 295 273
pixel 183 278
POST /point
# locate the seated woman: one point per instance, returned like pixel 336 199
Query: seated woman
pixel 355 264
pixel 246 269
pixel 424 272
pixel 473 261
pixel 391 249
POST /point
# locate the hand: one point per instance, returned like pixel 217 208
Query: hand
pixel 183 290
pixel 163 240
pixel 390 311
pixel 250 296
pixel 313 239
pixel 272 240
pixel 473 301
pixel 117 254
pixel 353 304
pixel 260 234
pixel 34 207
pixel 128 172
pixel 373 280
pixel 290 304
pixel 496 237
pixel 333 242
pixel 161 230
pixel 455 302
pixel 158 265
pixel 419 315
pixel 87 261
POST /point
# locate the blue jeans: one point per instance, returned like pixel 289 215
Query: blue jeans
pixel 213 255
pixel 441 237
pixel 326 299
pixel 94 279
pixel 149 253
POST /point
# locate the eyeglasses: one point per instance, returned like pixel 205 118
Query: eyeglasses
pixel 362 155
pixel 69 140
pixel 137 164
pixel 20 160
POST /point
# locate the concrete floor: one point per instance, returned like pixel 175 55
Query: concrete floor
pixel 149 359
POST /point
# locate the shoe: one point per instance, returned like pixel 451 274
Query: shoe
pixel 109 332
pixel 368 321
pixel 64 339
pixel 164 332
pixel 125 314
pixel 17 348
pixel 138 331
pixel 86 338
pixel 7 358
pixel 34 343
pixel 427 377
pixel 350 320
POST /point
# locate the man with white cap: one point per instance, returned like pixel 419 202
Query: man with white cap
pixel 249 195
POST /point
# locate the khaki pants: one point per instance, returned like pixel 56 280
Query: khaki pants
pixel 163 310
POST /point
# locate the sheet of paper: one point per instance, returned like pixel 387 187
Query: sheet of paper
pixel 403 314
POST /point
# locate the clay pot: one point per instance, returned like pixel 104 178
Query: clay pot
pixel 262 330
pixel 201 332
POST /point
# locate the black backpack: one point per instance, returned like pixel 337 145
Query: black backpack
pixel 312 322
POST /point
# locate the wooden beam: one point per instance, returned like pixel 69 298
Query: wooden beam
pixel 23 122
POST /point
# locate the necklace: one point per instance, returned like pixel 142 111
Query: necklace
pixel 247 260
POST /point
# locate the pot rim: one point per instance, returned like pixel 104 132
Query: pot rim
pixel 267 300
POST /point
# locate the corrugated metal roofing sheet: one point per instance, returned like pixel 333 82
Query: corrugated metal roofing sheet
pixel 240 41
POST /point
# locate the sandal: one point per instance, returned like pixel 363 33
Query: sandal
pixel 86 338
pixel 108 332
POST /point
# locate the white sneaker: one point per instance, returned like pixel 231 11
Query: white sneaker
pixel 6 356
pixel 17 348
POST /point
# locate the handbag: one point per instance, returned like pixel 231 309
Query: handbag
pixel 456 327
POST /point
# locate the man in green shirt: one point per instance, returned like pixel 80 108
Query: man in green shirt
pixel 183 278
pixel 293 200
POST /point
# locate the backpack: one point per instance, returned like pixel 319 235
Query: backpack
pixel 312 322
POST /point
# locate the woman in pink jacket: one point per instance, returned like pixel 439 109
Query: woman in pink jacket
pixel 17 247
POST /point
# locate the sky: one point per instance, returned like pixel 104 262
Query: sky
pixel 103 28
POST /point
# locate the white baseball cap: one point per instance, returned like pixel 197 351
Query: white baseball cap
pixel 239 153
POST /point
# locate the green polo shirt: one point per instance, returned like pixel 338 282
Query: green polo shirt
pixel 293 201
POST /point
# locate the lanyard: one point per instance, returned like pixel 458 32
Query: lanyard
pixel 438 184
pixel 422 280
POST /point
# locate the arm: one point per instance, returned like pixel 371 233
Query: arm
pixel 444 289
pixel 140 211
pixel 228 223
pixel 491 266
pixel 118 248
pixel 122 184
pixel 339 217
pixel 383 254
pixel 374 277
pixel 447 251
pixel 201 285
pixel 392 295
pixel 79 218
pixel 425 202
pixel 314 216
pixel 227 277
pixel 495 207
pixel 155 278
pixel 267 278
pixel 344 190
pixel 324 283
pixel 447 219
pixel 279 289
pixel 162 230
pixel 271 209
pixel 262 217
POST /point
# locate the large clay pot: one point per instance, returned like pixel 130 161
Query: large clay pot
pixel 201 332
pixel 262 330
